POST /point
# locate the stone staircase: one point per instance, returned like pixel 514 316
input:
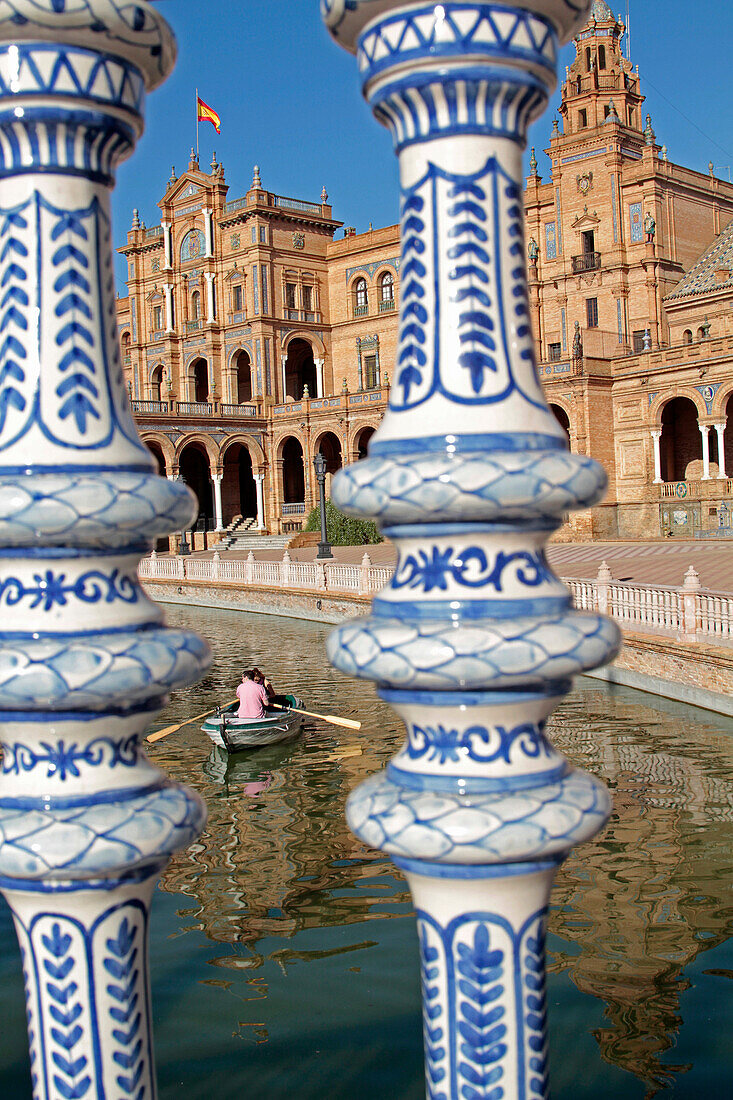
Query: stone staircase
pixel 242 535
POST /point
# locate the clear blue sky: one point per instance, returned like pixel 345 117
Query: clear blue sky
pixel 289 101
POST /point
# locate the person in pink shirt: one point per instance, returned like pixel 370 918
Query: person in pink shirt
pixel 252 698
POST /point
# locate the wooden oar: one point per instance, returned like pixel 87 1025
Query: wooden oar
pixel 160 734
pixel 334 721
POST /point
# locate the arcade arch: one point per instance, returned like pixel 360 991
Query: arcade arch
pixel 156 383
pixel 680 443
pixel 293 471
pixel 361 441
pixel 241 377
pixel 300 370
pixel 562 418
pixel 195 469
pixel 157 452
pixel 199 376
pixel 238 491
pixel 728 437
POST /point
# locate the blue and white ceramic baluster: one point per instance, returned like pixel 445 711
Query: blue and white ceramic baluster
pixel 474 641
pixel 86 822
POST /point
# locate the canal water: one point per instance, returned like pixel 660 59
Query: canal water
pixel 284 955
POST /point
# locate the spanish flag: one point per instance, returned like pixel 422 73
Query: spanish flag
pixel 206 114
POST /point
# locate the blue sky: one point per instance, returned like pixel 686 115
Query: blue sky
pixel 290 101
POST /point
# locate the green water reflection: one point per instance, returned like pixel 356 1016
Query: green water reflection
pixel 283 952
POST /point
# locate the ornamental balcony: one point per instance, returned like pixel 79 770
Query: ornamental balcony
pixel 588 261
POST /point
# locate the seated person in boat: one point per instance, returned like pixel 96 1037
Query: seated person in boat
pixel 272 696
pixel 253 698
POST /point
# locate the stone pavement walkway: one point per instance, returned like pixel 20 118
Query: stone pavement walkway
pixel 658 563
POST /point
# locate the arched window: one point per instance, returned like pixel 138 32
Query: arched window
pixel 156 383
pixel 361 305
pixel 687 336
pixel 386 290
pixel 195 305
pixel 601 57
pixel 126 348
pixel 701 333
pixel 588 58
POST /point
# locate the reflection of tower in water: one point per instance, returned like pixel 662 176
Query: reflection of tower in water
pixel 653 892
pixel 272 859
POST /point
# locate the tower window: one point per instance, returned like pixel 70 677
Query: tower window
pixel 237 299
pixel 601 57
pixel 591 310
pixel 583 119
pixel 588 59
pixel 631 116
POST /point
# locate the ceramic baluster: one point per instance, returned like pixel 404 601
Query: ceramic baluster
pixel 474 641
pixel 86 821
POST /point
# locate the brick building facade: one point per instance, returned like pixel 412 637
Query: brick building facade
pixel 253 339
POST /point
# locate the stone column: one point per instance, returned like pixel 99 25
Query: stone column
pixel 168 290
pixel 319 377
pixel 283 369
pixel 210 310
pixel 656 434
pixel 720 432
pixel 705 433
pixel 208 231
pixel 167 246
pixel 474 640
pixel 259 478
pixel 218 516
pixel 87 822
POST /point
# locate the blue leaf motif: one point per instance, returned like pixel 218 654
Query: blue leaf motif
pixel 71 1082
pixel 121 964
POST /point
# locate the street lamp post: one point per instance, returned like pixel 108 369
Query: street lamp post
pixel 324 546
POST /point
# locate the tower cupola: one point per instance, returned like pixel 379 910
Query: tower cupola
pixel 600 73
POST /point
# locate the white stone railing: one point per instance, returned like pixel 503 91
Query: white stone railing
pixel 687 613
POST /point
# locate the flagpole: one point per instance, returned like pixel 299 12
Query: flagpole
pixel 197 124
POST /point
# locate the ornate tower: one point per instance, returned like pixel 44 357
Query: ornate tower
pixel 601 82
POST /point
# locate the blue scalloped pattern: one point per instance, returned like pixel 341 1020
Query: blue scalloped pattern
pixel 438 655
pixel 480 828
pixel 100 510
pixel 96 839
pixel 469 487
pixel 99 672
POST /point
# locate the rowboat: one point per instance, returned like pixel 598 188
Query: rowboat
pixel 234 734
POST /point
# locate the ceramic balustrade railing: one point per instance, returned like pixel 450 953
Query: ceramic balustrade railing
pixel 87 822
pixel 645 606
pixel 642 607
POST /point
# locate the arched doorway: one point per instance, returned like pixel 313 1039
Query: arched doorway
pixel 238 492
pixel 728 437
pixel 361 443
pixel 329 446
pixel 157 452
pixel 200 376
pixel 681 442
pixel 242 378
pixel 196 472
pixel 293 472
pixel 156 383
pixel 300 370
pixel 563 420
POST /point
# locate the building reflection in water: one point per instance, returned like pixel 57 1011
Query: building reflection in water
pixel 631 910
